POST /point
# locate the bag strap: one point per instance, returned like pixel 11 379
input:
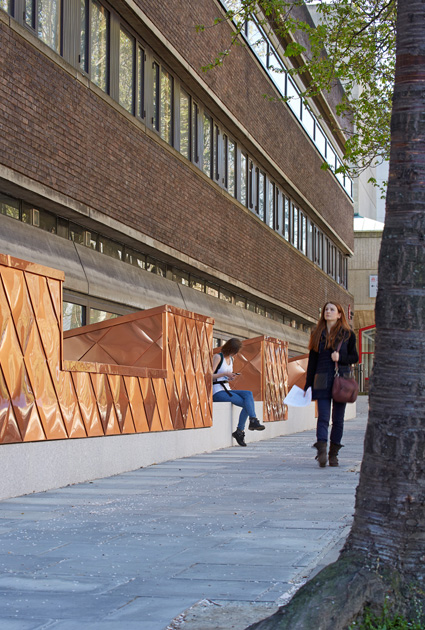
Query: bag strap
pixel 336 362
pixel 220 363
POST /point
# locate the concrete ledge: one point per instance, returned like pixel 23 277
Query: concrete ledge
pixel 39 466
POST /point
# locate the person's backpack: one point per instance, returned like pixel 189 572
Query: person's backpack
pixel 220 363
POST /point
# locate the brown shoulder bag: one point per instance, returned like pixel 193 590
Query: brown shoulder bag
pixel 344 389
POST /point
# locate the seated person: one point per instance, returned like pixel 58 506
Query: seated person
pixel 222 374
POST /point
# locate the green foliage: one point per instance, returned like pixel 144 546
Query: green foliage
pixel 353 43
pixel 385 621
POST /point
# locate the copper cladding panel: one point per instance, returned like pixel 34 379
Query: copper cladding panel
pixel 39 400
pixel 297 371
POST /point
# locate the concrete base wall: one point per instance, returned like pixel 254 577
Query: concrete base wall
pixel 39 466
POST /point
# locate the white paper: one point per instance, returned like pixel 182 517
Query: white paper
pixel 296 397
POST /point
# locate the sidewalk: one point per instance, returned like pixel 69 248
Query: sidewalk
pixel 202 543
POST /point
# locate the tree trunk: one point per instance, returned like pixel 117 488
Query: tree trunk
pixel 384 556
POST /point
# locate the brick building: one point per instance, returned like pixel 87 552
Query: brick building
pixel 148 181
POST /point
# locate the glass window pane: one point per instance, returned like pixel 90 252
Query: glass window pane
pixel 126 71
pixel 99 37
pixel 155 96
pixel 97 316
pixel 240 301
pixel 110 248
pixel 250 306
pixel 243 179
pixel 206 150
pixel 216 165
pixel 7 5
pixel 182 277
pixel 30 13
pixel 195 150
pixel 271 205
pixel 166 106
pixel 72 315
pixel 292 92
pixel 83 36
pixel 258 42
pixel 185 124
pixel 231 154
pixel 277 73
pixel 76 233
pixel 212 289
pixel 135 258
pixel 295 226
pixel 225 295
pixel 49 23
pixel 141 84
pixel 47 221
pixel 308 121
pixel 261 195
pixel 197 283
pixel 155 266
pixel 320 140
pixel 286 225
pixel 9 206
pixel 330 156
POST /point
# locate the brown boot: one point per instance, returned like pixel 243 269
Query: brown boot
pixel 333 454
pixel 321 453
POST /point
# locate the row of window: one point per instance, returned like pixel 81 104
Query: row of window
pixel 265 52
pixel 119 63
pixel 54 224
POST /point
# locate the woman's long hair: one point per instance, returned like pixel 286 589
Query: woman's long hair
pixel 338 330
pixel 232 346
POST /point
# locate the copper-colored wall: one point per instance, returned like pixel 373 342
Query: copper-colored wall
pixel 42 398
pixel 263 364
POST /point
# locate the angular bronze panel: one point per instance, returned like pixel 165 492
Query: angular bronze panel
pixel 122 406
pixel 105 404
pixel 87 402
pixel 68 402
pixel 162 403
pixel 136 404
pixel 20 303
pixel 9 430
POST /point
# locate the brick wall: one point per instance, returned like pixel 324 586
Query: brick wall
pixel 63 135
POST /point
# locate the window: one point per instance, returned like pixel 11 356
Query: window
pixel 212 289
pixel 135 258
pixel 295 226
pixel 155 96
pixel 277 73
pixel 240 301
pixel 185 124
pixel 303 233
pixel 7 5
pixel 127 71
pixel 271 206
pixel 244 179
pixel 286 210
pixel 230 147
pixel 292 94
pixel 216 159
pixel 207 145
pixel 97 316
pixel 320 140
pixel 195 136
pixel 99 45
pixel 74 315
pixel 225 295
pixel 156 266
pixel 166 106
pixel 261 194
pixel 9 206
pixel 43 16
pixel 250 306
pixel 182 277
pixel 141 82
pixel 110 248
pixel 308 121
pixel 197 283
pixel 83 58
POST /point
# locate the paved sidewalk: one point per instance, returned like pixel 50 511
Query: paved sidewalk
pixel 224 536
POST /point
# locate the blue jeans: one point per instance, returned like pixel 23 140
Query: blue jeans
pixel 338 411
pixel 240 398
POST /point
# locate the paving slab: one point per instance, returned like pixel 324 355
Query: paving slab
pixel 209 542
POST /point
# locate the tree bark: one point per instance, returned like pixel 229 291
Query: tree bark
pixel 384 555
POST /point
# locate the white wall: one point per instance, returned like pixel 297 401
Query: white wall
pixel 39 466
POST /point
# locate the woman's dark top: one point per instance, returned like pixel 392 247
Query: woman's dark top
pixel 321 368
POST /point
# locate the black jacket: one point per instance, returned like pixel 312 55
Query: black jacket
pixel 321 368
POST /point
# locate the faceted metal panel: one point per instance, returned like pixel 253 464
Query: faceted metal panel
pixel 166 386
pixel 297 371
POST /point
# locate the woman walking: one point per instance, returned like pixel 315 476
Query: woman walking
pixel 332 341
pixel 222 374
